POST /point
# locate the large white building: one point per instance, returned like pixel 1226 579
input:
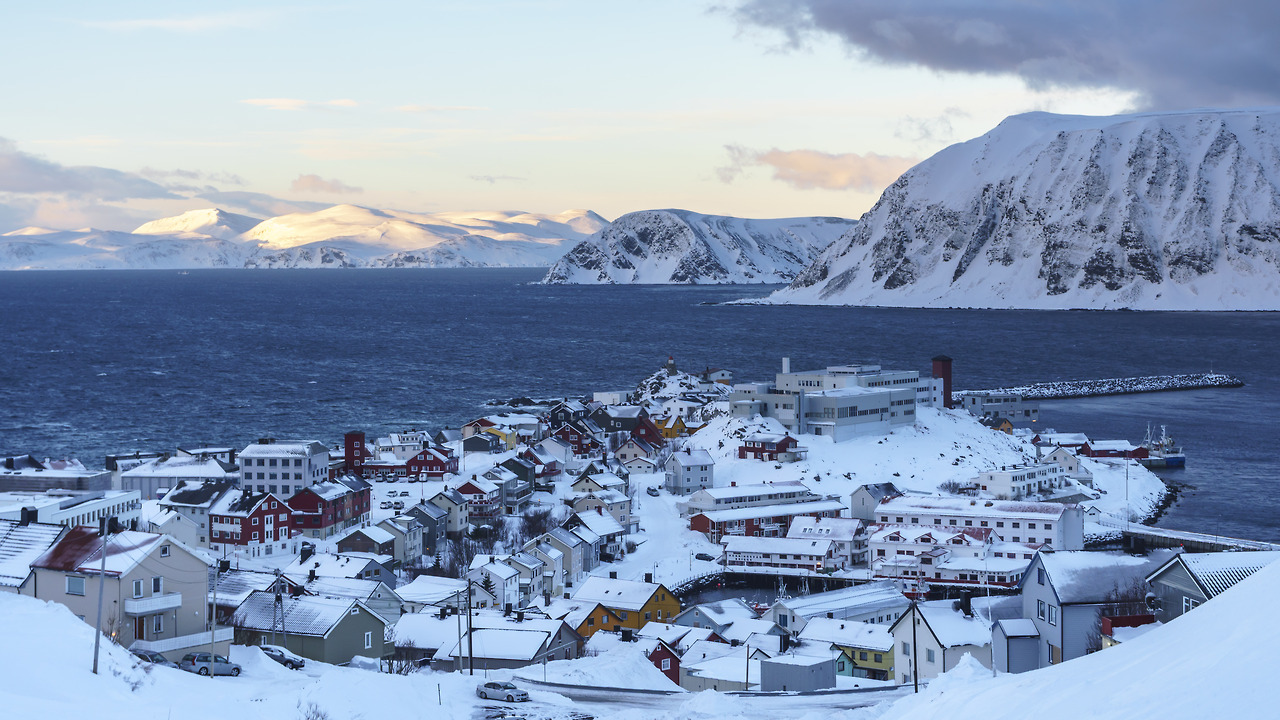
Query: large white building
pixel 156 477
pixel 72 508
pixel 1015 482
pixel 840 401
pixel 283 468
pixel 740 496
pixel 1059 525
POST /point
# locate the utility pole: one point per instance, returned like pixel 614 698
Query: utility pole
pixel 471 650
pixel 915 649
pixel 457 612
pixel 104 530
pixel 213 621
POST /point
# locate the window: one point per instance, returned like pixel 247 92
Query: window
pixel 254 521
pixel 1053 614
pixel 164 551
pixel 1031 526
pixel 368 640
pixel 157 585
pixel 137 588
pixel 157 623
pixel 1040 575
pixel 906 649
pixel 666 664
pixel 1048 526
pixel 879 657
pixel 591 622
pixel 1040 609
pixel 928 655
pixel 1189 603
pixel 862 655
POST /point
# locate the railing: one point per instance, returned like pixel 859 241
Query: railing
pixel 153 604
pixel 182 642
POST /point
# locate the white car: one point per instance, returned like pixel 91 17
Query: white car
pixel 501 691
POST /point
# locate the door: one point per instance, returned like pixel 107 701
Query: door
pixel 138 629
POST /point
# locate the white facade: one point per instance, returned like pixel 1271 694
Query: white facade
pixel 72 508
pixel 741 496
pixel 283 468
pixel 1059 525
pixel 776 556
pixel 689 471
pixel 848 546
pixel 1015 482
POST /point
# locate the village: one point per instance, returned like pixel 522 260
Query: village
pixel 898 525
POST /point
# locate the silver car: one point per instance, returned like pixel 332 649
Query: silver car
pixel 501 691
pixel 154 658
pixel 283 656
pixel 199 663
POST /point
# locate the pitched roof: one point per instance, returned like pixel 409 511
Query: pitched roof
pixel 602 524
pixel 373 532
pixel 781 509
pixel 197 493
pixel 502 643
pixel 193 466
pixel 881 593
pixel 80 550
pixel 290 448
pixel 303 615
pixel 797 546
pixel 20 545
pixel 234 586
pixel 694 457
pixel 848 633
pixel 429 589
pixel 950 626
pixel 613 593
pixel 343 565
pixel 1085 577
pixel 1216 572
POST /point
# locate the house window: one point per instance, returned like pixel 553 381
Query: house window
pixel 1189 603
pixel 1040 609
pixel 591 622
pixel 157 623
pixel 1053 614
pixel 906 649
pixel 666 664
pixel 1040 575
pixel 368 640
pixel 157 585
pixel 879 657
pixel 928 655
pixel 164 551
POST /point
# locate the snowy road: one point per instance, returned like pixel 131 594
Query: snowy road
pixel 585 703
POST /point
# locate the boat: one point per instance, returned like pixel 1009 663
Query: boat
pixel 1161 452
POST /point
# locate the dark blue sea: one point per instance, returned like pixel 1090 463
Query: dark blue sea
pixel 115 361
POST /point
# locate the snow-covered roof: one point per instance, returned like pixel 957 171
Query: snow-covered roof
pixel 789 546
pixel 480 484
pixel 587 534
pixel 952 627
pixel 848 633
pixel 343 565
pixel 1215 572
pixel 181 466
pixel 692 457
pixel 907 504
pixel 779 510
pixel 1112 445
pixel 500 570
pixel 303 615
pixel 21 545
pixel 234 586
pixel 501 643
pixel 738 492
pixel 566 537
pixel 613 593
pixel 836 529
pixel 1080 576
pixel 723 612
pixel 196 493
pixel 289 448
pixel 882 593
pixel 602 524
pixel 766 437
pixel 426 631
pixel 237 503
pixel 746 628
pixel 373 532
pixel 1062 438
pixel 80 550
pixel 350 588
pixel 1018 627
pixel 429 589
pixel 329 489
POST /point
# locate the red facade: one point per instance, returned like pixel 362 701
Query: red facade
pixel 667 661
pixel 1087 451
pixel 581 442
pixel 316 513
pixel 772 524
pixel 645 430
pixel 254 528
pixel 433 463
pixel 764 450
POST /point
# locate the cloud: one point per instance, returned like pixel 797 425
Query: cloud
pixel 491 179
pixel 223 178
pixel 260 204
pixel 437 108
pixel 25 173
pixel 1169 54
pixel 813 169
pixel 936 130
pixel 298 104
pixel 317 184
pixel 192 23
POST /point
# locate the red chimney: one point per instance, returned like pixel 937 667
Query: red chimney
pixel 942 369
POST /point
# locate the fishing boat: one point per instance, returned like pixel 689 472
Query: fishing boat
pixel 1161 452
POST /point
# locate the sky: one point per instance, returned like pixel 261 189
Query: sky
pixel 112 114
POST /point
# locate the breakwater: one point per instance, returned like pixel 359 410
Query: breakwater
pixel 1063 389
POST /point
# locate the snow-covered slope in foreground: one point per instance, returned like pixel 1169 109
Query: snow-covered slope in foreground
pixel 1217 659
pixel 682 247
pixel 1175 211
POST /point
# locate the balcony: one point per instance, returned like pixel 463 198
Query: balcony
pixel 152 605
pixel 198 640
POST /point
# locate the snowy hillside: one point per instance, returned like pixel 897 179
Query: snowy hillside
pixel 339 236
pixel 1177 211
pixel 210 221
pixel 470 239
pixel 682 247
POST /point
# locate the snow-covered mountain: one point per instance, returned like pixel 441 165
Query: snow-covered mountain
pixel 1177 211
pixel 682 247
pixel 339 236
pixel 210 221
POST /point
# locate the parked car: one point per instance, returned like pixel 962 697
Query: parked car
pixel 653 491
pixel 501 691
pixel 385 505
pixel 154 658
pixel 404 493
pixel 199 663
pixel 703 556
pixel 397 505
pixel 283 656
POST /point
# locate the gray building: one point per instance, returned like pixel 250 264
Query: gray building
pixel 435 525
pixel 688 471
pixel 1010 406
pixel 864 500
pixel 325 629
pixel 1015 645
pixel 25 473
pixel 798 673
pixel 156 477
pixel 1190 579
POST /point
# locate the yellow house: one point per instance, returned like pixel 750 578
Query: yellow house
pixel 672 426
pixel 510 438
pixel 866 649
pixel 624 604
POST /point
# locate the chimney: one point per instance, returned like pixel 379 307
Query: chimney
pixel 613 574
pixel 599 509
pixel 311 575
pixel 28 516
pixel 519 616
pixel 648 577
pixel 942 369
pixel 786 365
pixel 307 550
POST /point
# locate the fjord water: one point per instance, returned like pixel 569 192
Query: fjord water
pixel 114 361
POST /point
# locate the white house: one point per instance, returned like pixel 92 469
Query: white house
pixel 848 546
pixel 688 471
pixel 1014 482
pixel 875 602
pixel 931 638
pixel 283 467
pixel 1058 524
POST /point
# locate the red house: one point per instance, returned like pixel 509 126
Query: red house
pixel 769 446
pixel 1112 449
pixel 256 524
pixel 581 441
pixel 432 462
pixel 647 431
pixel 484 498
pixel 667 660
pixel 760 521
pixel 326 508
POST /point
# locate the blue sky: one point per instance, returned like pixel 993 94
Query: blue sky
pixel 749 108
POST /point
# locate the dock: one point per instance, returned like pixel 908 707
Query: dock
pixel 1153 537
pixel 1065 389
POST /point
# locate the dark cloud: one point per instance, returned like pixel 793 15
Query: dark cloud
pixel 814 169
pixel 1172 53
pixel 260 204
pixel 25 173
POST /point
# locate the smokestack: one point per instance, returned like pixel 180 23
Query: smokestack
pixel 307 550
pixel 648 577
pixel 786 365
pixel 942 369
